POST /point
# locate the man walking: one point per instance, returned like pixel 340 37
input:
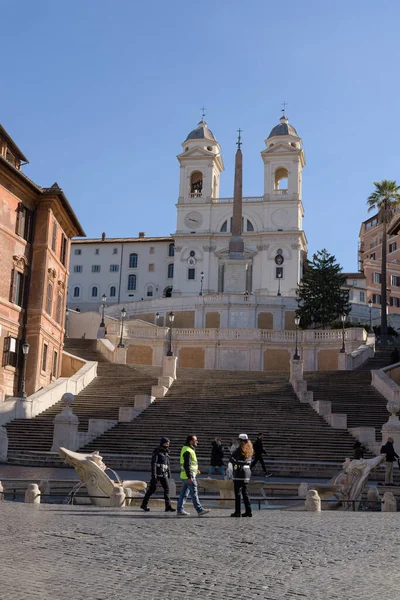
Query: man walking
pixel 160 473
pixel 189 472
pixel 258 455
pixel 391 455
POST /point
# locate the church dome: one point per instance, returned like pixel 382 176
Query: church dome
pixel 201 133
pixel 283 128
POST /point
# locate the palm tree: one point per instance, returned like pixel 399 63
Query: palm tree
pixel 385 199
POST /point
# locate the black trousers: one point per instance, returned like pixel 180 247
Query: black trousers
pixel 258 458
pixel 152 488
pixel 241 486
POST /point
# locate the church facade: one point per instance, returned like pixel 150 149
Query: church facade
pixel 146 274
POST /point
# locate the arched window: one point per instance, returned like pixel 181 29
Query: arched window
pixel 132 281
pixel 196 184
pixel 133 260
pixel 224 227
pixel 113 291
pixel 281 180
pixel 149 290
pixel 249 225
pixel 94 291
pixel 171 250
pixel 167 292
pixel 170 271
pixel 76 291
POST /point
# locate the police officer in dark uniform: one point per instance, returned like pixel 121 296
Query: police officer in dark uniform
pixel 160 473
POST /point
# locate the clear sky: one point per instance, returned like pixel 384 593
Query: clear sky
pixel 99 95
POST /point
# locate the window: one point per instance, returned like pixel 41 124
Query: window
pixel 131 282
pixel 49 298
pixel 95 291
pixel 113 291
pixel 392 246
pixel 371 223
pixel 96 268
pixel 170 273
pixel 395 302
pixel 133 261
pixel 196 184
pixel 114 268
pixel 54 237
pixel 17 287
pixel 362 296
pixel 278 272
pixel 249 226
pixel 171 250
pixel 151 249
pixel 55 363
pixel 96 251
pixel 192 253
pixel 63 252
pixel 281 180
pixel 24 223
pixel 59 308
pixel 151 267
pixel 372 257
pixel 76 292
pixel 376 298
pixel 191 273
pixel 377 277
pixel 44 357
pixel 115 250
pixel 355 282
pixel 77 251
pixel 149 291
pixel 78 269
pixel 11 351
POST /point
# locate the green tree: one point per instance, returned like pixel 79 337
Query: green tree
pixel 320 296
pixel 385 198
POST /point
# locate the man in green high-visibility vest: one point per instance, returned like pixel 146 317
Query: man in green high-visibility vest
pixel 189 472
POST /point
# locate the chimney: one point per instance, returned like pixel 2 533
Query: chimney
pixel 142 234
pixel 103 236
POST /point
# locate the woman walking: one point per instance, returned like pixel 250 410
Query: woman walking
pixel 217 457
pixel 239 465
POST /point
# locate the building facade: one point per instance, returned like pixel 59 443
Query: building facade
pixel 36 225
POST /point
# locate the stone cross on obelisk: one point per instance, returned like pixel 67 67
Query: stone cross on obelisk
pixel 236 245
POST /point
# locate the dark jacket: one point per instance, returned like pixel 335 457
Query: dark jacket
pixel 160 463
pixel 390 452
pixel 217 454
pixel 258 447
pixel 359 450
pixel 241 466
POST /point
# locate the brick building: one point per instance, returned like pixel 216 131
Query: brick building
pixel 36 225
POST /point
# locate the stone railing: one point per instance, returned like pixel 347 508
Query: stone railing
pixel 385 385
pixel 349 362
pixel 230 200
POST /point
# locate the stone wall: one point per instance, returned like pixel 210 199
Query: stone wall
pixel 191 357
pixel 70 364
pixel 289 320
pixel 328 360
pixel 184 319
pixel 139 355
pixel 276 360
pixel 213 320
pixel 265 320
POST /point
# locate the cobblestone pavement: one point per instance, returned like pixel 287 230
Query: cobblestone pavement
pixel 55 552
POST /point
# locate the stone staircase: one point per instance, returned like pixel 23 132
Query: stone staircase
pixel 382 358
pixel 114 386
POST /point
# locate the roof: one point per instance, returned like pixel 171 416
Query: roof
pixel 13 146
pixel 357 275
pixel 121 240
pixel 201 132
pixel 284 128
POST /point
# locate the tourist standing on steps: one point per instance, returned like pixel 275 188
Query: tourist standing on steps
pixel 239 467
pixel 217 457
pixel 160 473
pixel 258 454
pixel 391 455
pixel 359 450
pixel 189 472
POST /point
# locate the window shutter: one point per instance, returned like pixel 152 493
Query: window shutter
pixel 14 286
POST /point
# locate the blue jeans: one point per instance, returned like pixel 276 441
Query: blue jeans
pixel 189 489
pixel 221 470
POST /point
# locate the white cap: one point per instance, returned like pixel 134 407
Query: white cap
pixel 244 437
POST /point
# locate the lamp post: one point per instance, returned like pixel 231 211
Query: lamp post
pixel 279 284
pixel 66 322
pixel 157 317
pixel 201 283
pixel 123 317
pixel 370 314
pixel 171 318
pixel 104 300
pixel 296 352
pixel 25 351
pixel 343 319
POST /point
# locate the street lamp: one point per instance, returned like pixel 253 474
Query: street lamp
pixel 104 300
pixel 171 318
pixel 279 284
pixel 343 319
pixel 157 317
pixel 201 283
pixel 370 314
pixel 296 352
pixel 25 351
pixel 123 317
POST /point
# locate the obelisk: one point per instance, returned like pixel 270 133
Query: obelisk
pixel 235 271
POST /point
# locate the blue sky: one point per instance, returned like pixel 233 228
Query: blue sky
pixel 99 95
